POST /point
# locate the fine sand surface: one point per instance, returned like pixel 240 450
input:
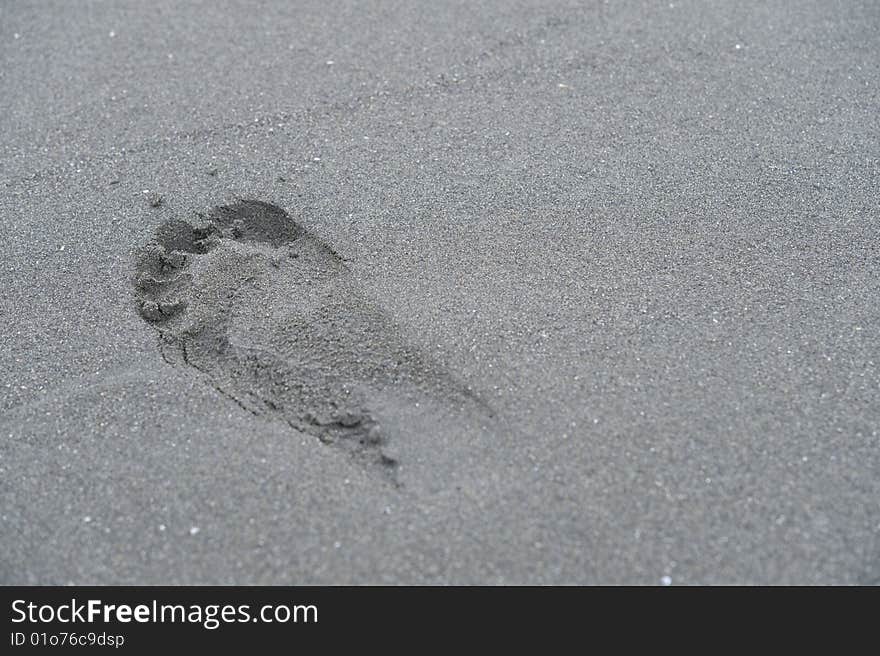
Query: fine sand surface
pixel 449 292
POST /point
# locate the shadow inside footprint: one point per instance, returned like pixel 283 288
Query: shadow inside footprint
pixel 256 221
pixel 270 315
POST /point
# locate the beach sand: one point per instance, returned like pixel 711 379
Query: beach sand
pixel 337 292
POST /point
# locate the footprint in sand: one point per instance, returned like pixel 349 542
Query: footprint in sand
pixel 270 315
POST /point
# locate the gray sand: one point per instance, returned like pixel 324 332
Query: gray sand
pixel 584 292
